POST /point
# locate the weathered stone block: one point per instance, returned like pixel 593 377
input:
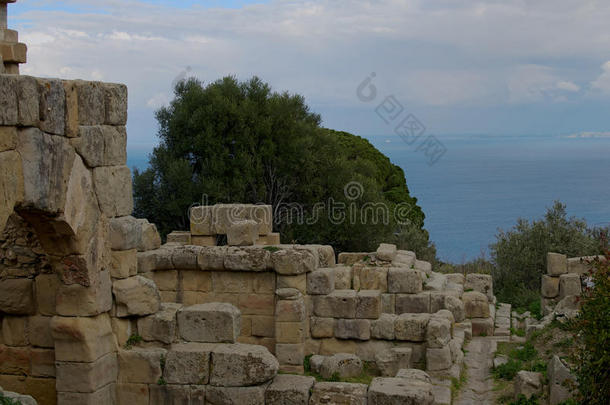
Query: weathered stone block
pixel 188 363
pixel 14 360
pixel 456 306
pixel 438 358
pixel 343 277
pixel 141 365
pixel 411 327
pixel 550 286
pixel 40 331
pixel 389 361
pixel 14 330
pixel 124 263
pixel 370 278
pixel 262 326
pixel 344 365
pixel 52 106
pixel 569 284
pixel 8 100
pixel 201 220
pixel 136 296
pixel 107 395
pixel 482 326
pixel 115 98
pixel 160 326
pixel 130 394
pixel 561 381
pixel 404 258
pixel 212 323
pixel 8 138
pixel 289 389
pixel 321 327
pixel 242 233
pixel 195 280
pixel 388 303
pixel 339 393
pixel 386 252
pixel 114 190
pixel 338 304
pixel 101 145
pixel 578 265
pixel 290 310
pixel 475 304
pixel 87 377
pixel 298 282
pixel 235 395
pixel 556 264
pixel 91 102
pixel 395 391
pixel 203 240
pixel 438 333
pixel 42 362
pixel 349 258
pixel 179 237
pixel 290 332
pixel 413 303
pixel 359 329
pixel 82 339
pixel 321 281
pixel 404 280
pixel 383 328
pixel 17 296
pixel 240 364
pixel 368 304
pixel 290 353
pixel 177 394
pixel 248 258
pixel 293 261
pixel 528 383
pixel 482 283
pixel 77 300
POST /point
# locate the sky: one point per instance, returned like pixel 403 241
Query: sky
pixel 495 67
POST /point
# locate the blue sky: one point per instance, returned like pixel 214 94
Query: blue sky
pixel 491 67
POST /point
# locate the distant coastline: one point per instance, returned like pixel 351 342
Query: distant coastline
pixel 589 135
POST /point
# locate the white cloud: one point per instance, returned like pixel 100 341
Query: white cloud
pixel 535 83
pixel 602 83
pixel 158 100
pixel 568 86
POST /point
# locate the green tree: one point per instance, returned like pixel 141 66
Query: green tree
pixel 232 141
pixel 519 254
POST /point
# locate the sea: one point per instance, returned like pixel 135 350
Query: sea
pixel 470 186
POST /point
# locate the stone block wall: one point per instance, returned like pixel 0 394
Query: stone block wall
pixel 564 282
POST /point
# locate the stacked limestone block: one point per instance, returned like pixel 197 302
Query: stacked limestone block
pixel 190 355
pixel 503 320
pixel 243 225
pixel 12 52
pixel 387 307
pixel 258 280
pixel 562 283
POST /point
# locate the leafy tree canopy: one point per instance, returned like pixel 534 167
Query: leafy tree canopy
pixel 232 141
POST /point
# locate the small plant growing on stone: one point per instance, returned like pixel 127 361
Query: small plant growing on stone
pixel 132 341
pixel 334 378
pixel 508 370
pixel 8 401
pixel 161 381
pixel 522 400
pixel 271 248
pixel 307 363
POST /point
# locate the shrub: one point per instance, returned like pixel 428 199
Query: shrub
pixel 519 254
pixel 522 400
pixel 592 333
pixel 508 370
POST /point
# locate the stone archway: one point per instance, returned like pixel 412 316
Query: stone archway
pixel 62 169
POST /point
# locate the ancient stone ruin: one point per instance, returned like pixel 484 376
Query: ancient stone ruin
pixel 95 310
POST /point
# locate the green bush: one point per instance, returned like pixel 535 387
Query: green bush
pixel 508 370
pixel 522 400
pixel 519 254
pixel 526 353
pixel 592 334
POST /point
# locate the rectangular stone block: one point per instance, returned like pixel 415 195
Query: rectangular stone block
pixel 140 365
pixel 388 303
pixel 321 327
pixel 411 327
pixel 290 332
pixel 290 310
pixel 339 393
pixel 413 303
pixel 549 287
pixel 569 284
pixel 179 237
pixel 578 265
pixel 160 326
pixel 321 281
pixel 289 389
pixel 177 394
pixel 87 377
pixel 166 280
pixel 371 278
pixel 404 280
pixel 40 331
pixel 8 138
pixel 359 329
pixel 82 339
pixel 343 277
pixel 105 395
pixel 43 362
pixel 14 360
pixel 201 221
pixel 383 328
pixel 209 323
pixel 232 282
pixel 368 304
pixel 131 394
pixel 17 296
pixel 264 283
pixel 482 326
pixel 269 239
pixel 290 354
pixel 101 145
pixel 115 102
pixel 254 395
pixel 257 304
pixel 52 106
pixel 15 330
pixel 350 258
pixel 438 359
pixel 203 240
pixel 188 363
pixel 262 326
pixel 556 264
pixel 298 281
pixel 196 280
pixel 124 263
pixel 338 304
pixel 114 190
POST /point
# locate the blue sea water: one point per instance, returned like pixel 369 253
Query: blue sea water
pixel 483 183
